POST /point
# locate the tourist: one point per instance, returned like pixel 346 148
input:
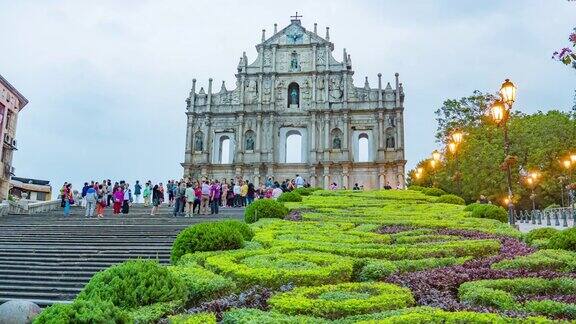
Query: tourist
pixel 91 197
pixel 179 197
pixel 291 185
pixel 205 197
pixel 161 190
pixel 62 196
pixel 170 188
pixel 101 201
pixel 224 194
pixel 269 183
pixel 84 189
pixel 243 192
pixel 250 194
pixel 333 186
pixel 125 199
pixel 190 197
pixel 236 193
pixel 215 192
pixel 299 181
pixel 67 198
pixel 137 191
pixel 118 196
pixel 109 192
pixel 356 187
pixel 156 199
pixel 197 197
pixel 230 196
pixel 146 194
pixel 387 186
pixel 276 192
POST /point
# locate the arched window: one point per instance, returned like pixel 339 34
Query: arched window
pixel 336 139
pixel 198 141
pixel 293 95
pixel 293 147
pixel 224 153
pixel 249 140
pixel 363 148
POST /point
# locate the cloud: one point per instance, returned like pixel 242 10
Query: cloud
pixel 107 80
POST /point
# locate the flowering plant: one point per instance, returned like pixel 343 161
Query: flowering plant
pixel 567 55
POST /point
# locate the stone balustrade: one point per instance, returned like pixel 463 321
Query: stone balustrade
pixel 27 207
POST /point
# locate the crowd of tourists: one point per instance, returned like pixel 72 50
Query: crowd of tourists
pixel 185 197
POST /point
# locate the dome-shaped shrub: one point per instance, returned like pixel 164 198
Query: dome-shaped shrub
pixel 264 208
pixel 540 233
pixel 135 283
pixel 81 311
pixel 213 236
pixel 451 199
pixel 564 240
pixel 290 196
pixel 437 192
pixel 491 212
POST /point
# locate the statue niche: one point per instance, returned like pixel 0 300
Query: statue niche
pixel 293 95
pixel 198 141
pixel 249 140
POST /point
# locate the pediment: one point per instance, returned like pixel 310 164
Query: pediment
pixel 294 34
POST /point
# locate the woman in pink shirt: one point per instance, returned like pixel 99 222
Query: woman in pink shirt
pixel 118 200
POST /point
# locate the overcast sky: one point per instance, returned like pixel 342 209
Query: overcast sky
pixel 107 80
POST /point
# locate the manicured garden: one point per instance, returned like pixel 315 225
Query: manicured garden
pixel 344 257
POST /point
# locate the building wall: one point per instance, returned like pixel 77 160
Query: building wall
pixel 11 102
pixel 295 84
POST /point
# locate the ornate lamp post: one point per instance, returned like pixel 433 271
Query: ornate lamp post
pixel 435 160
pixel 457 137
pixel 532 182
pixel 500 111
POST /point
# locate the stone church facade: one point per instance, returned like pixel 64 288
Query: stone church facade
pixel 295 110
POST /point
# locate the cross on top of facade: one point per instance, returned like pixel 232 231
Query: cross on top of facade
pixel 296 16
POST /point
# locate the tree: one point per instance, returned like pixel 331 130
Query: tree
pixel 462 113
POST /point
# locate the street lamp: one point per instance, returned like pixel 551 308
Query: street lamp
pixel 436 155
pixel 452 147
pixel 532 181
pixel 457 137
pixel 573 157
pixel 500 111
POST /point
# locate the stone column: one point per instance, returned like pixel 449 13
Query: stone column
pixel 380 90
pixel 381 135
pixel 240 141
pixel 242 88
pixel 207 135
pixel 260 92
pixel 326 136
pixel 189 138
pixel 313 136
pixel 345 176
pixel 273 58
pixel 326 176
pixel 209 103
pixel 314 57
pixel 271 138
pixel 399 131
pixel 257 176
pixel 258 134
pixel 312 180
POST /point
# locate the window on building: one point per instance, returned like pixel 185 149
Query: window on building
pixel 363 148
pixel 225 144
pixel 293 147
pixel 41 196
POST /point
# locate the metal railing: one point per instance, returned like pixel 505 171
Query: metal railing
pixel 547 217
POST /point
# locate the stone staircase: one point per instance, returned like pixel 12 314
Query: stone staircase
pixel 48 258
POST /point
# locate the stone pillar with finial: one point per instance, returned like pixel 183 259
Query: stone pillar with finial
pixel 397 91
pixel 263 35
pixel 327 33
pixel 379 90
pixel 275 28
pixel 315 29
pixel 209 103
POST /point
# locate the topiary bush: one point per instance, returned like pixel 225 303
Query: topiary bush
pixel 336 301
pixel 564 240
pixel 472 206
pixel 491 212
pixel 451 199
pixel 242 227
pixel 276 267
pixel 540 233
pixel 557 260
pixel 290 196
pixel 203 284
pixel 305 191
pixel 437 192
pixel 416 188
pixel 198 318
pixel 213 236
pixel 264 208
pixel 135 283
pixel 83 311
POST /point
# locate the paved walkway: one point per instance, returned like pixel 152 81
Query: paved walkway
pixel 48 258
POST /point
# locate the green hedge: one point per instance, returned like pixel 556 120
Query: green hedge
pixel 264 208
pixel 256 316
pixel 198 318
pixel 540 233
pixel 565 240
pixel 336 301
pixel 472 206
pixel 558 260
pixel 290 196
pixel 274 268
pixel 451 199
pixel 500 293
pixel 83 311
pixel 416 188
pixel 305 191
pixel 135 283
pixel 436 192
pixel 490 211
pixel 213 236
pixel 203 284
pixel 376 270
